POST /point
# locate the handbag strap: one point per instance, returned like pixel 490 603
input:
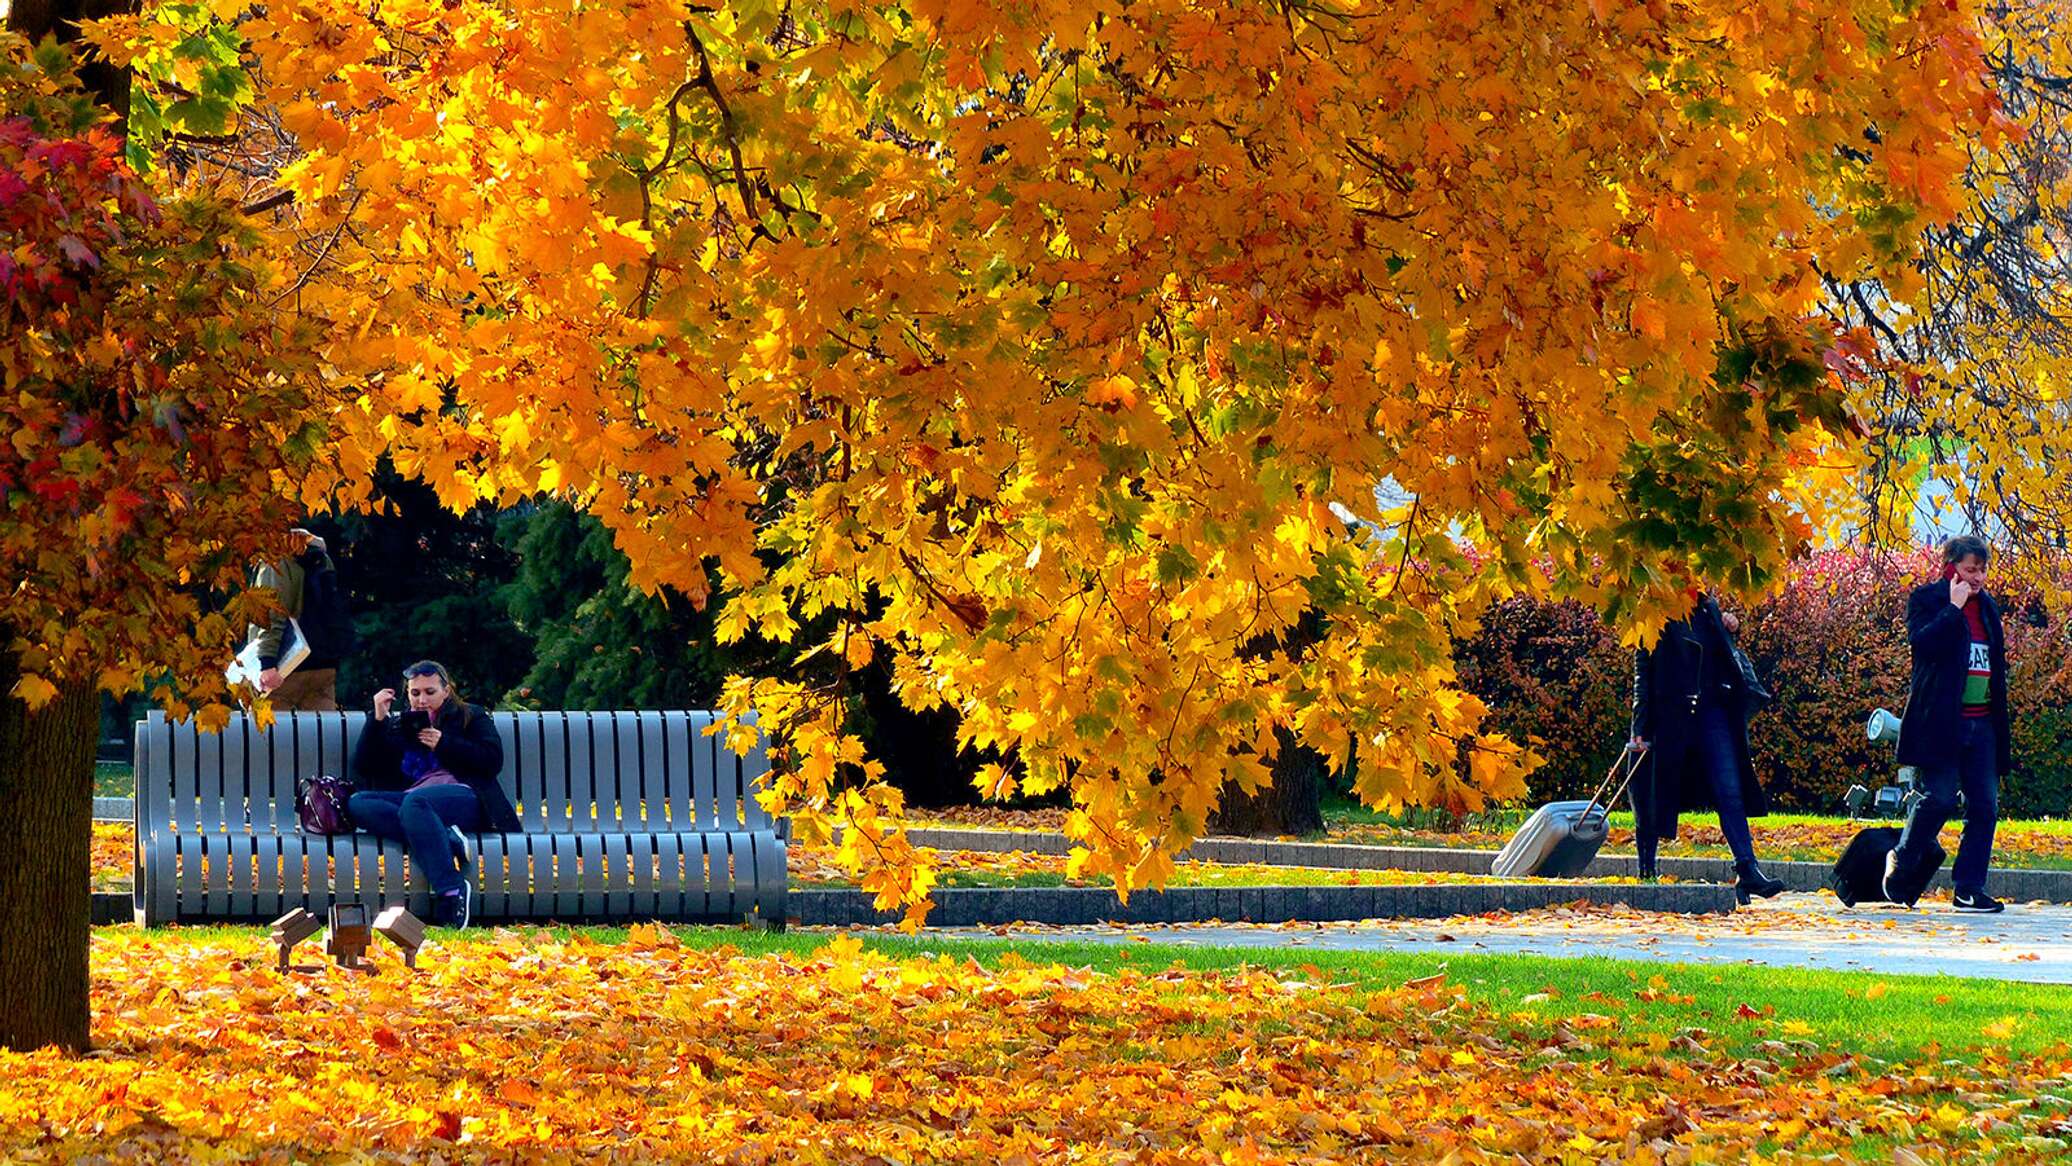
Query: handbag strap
pixel 1628 761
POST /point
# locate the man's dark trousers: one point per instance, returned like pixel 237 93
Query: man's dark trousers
pixel 1973 771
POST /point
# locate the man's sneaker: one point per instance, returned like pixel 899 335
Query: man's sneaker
pixel 1978 903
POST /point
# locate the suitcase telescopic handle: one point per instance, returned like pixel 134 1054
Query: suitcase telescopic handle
pixel 1624 766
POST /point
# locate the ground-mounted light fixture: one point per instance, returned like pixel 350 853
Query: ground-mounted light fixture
pixel 403 929
pixel 350 935
pixel 291 929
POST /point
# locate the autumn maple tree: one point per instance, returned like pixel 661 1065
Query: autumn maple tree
pixel 159 408
pixel 1063 350
pixel 1967 412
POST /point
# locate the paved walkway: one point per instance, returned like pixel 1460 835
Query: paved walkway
pixel 2030 942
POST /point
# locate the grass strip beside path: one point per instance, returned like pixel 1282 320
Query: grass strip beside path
pixel 2044 844
pixel 114 861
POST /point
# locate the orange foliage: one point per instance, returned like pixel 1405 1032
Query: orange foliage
pixel 520 1045
pixel 1048 344
pixel 160 411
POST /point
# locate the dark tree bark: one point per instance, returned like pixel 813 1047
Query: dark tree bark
pixel 46 828
pixel 37 19
pixel 1292 804
pixel 47 756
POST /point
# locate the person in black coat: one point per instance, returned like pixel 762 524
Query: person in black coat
pixel 1690 714
pixel 1954 732
pixel 428 779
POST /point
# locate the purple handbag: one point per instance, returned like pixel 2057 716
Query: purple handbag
pixel 320 803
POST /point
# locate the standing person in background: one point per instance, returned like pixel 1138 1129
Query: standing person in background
pixel 1690 713
pixel 1954 732
pixel 309 591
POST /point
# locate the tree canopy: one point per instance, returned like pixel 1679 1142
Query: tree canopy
pixel 160 412
pixel 1061 349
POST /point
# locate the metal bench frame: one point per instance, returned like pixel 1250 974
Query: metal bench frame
pixel 626 814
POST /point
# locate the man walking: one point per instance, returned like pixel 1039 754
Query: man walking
pixel 1954 733
pixel 307 584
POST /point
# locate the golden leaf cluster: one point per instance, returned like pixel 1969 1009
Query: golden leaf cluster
pixel 1073 353
pixel 525 1045
pixel 158 412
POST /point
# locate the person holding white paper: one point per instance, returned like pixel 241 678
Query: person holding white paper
pixel 296 657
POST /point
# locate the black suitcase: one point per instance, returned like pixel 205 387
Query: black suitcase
pixel 1859 875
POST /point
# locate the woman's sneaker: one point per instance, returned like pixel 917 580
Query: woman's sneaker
pixel 463 851
pixel 453 910
pixel 1977 903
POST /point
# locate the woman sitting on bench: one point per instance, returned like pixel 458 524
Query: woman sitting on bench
pixel 427 779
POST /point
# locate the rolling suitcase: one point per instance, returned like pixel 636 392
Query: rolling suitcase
pixel 1859 875
pixel 1561 838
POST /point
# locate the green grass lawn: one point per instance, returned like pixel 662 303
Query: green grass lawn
pixel 1217 875
pixel 113 779
pixel 2039 844
pixel 1864 1013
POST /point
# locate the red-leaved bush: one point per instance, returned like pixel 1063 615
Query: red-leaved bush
pixel 1832 647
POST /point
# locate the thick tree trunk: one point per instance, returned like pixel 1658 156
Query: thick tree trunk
pixel 46 840
pixel 1292 804
pixel 37 19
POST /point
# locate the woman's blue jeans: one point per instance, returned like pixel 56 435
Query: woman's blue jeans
pixel 1716 753
pixel 418 819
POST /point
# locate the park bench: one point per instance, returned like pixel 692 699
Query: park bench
pixel 626 815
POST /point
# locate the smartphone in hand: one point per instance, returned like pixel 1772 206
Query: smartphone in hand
pixel 413 722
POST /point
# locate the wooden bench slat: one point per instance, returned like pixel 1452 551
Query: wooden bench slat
pixel 587 796
pixel 668 876
pixel 618 878
pixel 527 784
pixel 156 892
pixel 707 784
pixel 555 774
pixel 640 856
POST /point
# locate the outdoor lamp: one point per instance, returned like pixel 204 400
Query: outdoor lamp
pixel 291 929
pixel 350 934
pixel 402 929
pixel 1855 798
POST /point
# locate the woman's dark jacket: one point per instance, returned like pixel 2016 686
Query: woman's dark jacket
pixel 469 749
pixel 1930 733
pixel 1667 685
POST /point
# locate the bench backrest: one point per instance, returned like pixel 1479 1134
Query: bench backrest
pixel 567 772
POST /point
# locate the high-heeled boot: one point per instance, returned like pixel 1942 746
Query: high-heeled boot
pixel 1750 881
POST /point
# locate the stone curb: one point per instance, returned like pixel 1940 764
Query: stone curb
pixel 1068 906
pixel 1078 906
pixel 115 809
pixel 2021 886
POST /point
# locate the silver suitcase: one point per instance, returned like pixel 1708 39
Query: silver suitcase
pixel 1561 839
